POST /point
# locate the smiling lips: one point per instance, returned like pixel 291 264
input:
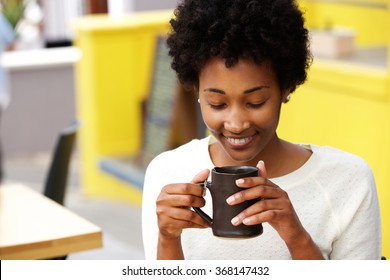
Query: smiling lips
pixel 239 141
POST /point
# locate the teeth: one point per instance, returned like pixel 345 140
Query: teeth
pixel 239 141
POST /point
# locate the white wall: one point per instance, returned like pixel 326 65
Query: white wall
pixel 57 17
pixel 42 103
pixel 154 4
pixel 118 7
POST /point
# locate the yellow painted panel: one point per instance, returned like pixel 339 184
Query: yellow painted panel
pixel 118 190
pixel 112 80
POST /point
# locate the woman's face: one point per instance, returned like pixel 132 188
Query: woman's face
pixel 240 106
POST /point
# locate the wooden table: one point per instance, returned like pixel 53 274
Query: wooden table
pixel 35 227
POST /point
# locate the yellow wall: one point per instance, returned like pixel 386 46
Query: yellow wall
pixel 368 22
pixel 112 80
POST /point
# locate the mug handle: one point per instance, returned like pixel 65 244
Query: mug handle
pixel 199 211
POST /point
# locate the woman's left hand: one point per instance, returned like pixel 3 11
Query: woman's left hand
pixel 274 207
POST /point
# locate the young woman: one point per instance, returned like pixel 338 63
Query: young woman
pixel 244 59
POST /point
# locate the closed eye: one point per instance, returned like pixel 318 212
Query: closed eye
pixel 255 105
pixel 217 106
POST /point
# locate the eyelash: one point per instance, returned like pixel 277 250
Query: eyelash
pixel 217 107
pixel 222 106
pixel 256 105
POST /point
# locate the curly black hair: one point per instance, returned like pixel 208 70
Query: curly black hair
pixel 264 30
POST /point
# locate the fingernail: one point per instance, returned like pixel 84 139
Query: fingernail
pixel 240 181
pixel 230 199
pixel 235 221
pixel 247 221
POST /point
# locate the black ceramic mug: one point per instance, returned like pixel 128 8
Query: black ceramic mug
pixel 223 185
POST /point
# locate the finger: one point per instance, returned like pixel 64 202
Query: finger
pixel 262 169
pixel 186 218
pixel 183 189
pixel 181 201
pixel 261 191
pixel 249 182
pixel 257 208
pixel 264 217
pixel 201 176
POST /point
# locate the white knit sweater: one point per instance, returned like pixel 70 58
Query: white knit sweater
pixel 333 193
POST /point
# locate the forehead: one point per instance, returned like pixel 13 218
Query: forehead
pixel 246 71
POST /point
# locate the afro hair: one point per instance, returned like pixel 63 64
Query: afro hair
pixel 264 30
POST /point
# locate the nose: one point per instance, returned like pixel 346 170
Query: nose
pixel 236 122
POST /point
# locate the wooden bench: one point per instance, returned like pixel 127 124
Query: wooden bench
pixel 171 118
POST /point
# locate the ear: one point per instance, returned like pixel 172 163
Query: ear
pixel 195 90
pixel 286 95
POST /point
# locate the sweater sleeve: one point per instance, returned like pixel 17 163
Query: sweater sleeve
pixel 174 166
pixel 152 187
pixel 359 220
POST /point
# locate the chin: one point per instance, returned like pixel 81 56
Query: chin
pixel 241 160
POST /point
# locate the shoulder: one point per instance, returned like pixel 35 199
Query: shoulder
pixel 343 170
pixel 346 184
pixel 331 169
pixel 190 149
pixel 334 158
pixel 183 157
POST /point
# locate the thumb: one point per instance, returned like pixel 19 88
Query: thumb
pixel 263 171
pixel 201 176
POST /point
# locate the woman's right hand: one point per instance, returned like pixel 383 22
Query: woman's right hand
pixel 174 204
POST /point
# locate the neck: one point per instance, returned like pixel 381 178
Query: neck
pixel 284 157
pixel 280 157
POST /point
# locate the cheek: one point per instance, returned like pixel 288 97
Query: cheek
pixel 212 121
pixel 268 118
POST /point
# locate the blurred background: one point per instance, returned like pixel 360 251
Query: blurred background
pixel 40 64
pixel 104 64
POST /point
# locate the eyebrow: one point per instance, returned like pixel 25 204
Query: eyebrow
pixel 255 89
pixel 245 91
